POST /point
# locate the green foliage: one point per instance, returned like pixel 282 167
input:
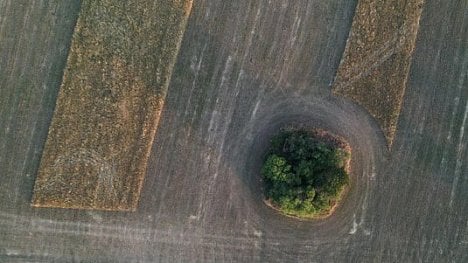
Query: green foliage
pixel 303 176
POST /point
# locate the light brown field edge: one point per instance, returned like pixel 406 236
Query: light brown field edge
pixel 377 57
pixel 108 108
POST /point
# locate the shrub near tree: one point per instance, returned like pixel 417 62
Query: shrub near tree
pixel 303 174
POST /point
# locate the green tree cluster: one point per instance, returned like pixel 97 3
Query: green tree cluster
pixel 303 175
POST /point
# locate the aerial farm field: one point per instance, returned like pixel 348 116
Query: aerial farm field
pixel 244 70
pixel 376 62
pixel 109 105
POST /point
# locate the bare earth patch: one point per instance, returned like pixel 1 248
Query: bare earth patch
pixel 377 57
pixel 108 108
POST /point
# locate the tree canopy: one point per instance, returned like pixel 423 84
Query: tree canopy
pixel 303 174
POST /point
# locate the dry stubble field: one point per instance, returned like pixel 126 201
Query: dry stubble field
pixel 245 69
pixel 110 101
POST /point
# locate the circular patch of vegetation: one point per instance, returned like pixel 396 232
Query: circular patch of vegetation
pixel 305 172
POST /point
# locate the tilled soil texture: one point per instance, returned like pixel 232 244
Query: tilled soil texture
pixel 108 108
pixel 245 69
pixel 374 68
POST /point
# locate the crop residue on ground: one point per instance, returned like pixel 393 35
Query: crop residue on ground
pixel 108 107
pixel 376 61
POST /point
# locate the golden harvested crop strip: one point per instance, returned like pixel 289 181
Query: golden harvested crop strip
pixel 109 104
pixel 377 57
